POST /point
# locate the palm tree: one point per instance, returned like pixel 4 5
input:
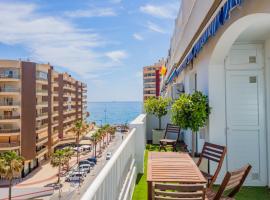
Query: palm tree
pixel 68 153
pixel 78 128
pixel 94 139
pixel 11 165
pixel 58 160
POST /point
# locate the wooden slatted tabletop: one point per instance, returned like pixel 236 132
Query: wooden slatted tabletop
pixel 172 167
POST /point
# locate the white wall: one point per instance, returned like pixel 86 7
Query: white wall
pixel 267 88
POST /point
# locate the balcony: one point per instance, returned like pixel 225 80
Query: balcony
pixel 9 145
pixel 41 104
pixel 41 92
pixel 9 77
pixel 9 104
pixel 41 128
pixel 41 116
pixel 40 152
pixel 9 118
pixel 41 141
pixel 9 131
pixel 9 91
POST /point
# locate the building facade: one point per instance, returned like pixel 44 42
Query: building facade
pixel 151 80
pixel 222 48
pixel 38 107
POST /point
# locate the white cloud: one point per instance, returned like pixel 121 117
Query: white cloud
pixel 168 11
pixel 92 12
pixel 55 40
pixel 137 36
pixel 117 56
pixel 154 27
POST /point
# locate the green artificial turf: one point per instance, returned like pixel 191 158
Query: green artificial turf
pixel 246 193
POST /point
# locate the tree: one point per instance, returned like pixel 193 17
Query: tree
pixel 58 159
pixel 157 107
pixel 11 165
pixel 191 111
pixel 68 153
pixel 78 129
pixel 94 139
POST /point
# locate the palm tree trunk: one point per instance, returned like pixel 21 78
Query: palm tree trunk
pixel 9 189
pixel 59 169
pixel 95 150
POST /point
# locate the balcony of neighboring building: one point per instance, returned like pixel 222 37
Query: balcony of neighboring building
pixel 41 77
pixel 11 89
pixel 41 115
pixel 9 75
pixel 41 127
pixel 41 102
pixel 41 92
pixel 40 140
pixel 41 150
pixel 9 129
pixel 9 116
pixel 7 146
pixel 9 103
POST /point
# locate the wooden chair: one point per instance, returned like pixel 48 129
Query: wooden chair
pixel 174 191
pixel 165 142
pixel 215 153
pixel 232 182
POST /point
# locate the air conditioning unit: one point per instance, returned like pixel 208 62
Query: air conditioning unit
pixel 177 90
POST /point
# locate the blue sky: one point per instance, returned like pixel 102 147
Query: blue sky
pixel 104 43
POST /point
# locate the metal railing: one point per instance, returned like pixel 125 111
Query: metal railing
pixel 9 144
pixel 9 103
pixel 12 76
pixel 9 117
pixel 9 89
pixel 9 130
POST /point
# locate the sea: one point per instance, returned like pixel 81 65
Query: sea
pixel 113 112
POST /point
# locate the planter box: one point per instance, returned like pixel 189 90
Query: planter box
pixel 157 135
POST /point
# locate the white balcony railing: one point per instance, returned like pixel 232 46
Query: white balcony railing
pixel 117 178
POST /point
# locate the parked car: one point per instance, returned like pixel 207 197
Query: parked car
pixel 92 159
pixel 77 149
pixel 75 176
pixel 86 147
pixel 75 170
pixel 109 155
pixel 92 164
pixel 83 168
pixel 83 162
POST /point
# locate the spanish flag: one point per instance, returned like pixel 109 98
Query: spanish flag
pixel 163 70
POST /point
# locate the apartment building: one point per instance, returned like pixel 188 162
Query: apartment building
pixel 151 80
pixel 38 107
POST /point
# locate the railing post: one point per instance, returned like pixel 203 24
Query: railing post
pixel 140 140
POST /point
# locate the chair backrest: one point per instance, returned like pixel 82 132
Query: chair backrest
pixel 169 191
pixel 215 153
pixel 233 182
pixel 170 128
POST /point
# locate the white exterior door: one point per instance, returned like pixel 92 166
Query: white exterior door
pixel 246 136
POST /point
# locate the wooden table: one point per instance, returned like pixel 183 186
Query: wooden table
pixel 172 167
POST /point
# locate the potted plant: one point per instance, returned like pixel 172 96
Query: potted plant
pixel 191 111
pixel 159 108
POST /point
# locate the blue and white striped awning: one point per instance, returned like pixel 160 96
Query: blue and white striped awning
pixel 221 17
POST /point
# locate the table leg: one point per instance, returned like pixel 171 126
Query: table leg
pixel 149 183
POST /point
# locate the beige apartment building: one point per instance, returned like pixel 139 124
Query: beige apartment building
pixel 38 107
pixel 151 80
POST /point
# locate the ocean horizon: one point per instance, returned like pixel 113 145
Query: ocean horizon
pixel 114 112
